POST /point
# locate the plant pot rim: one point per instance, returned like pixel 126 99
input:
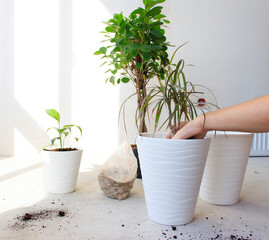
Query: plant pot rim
pixel 50 151
pixel 228 133
pixel 167 139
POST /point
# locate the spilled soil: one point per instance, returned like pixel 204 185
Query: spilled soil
pixel 30 218
pixel 39 216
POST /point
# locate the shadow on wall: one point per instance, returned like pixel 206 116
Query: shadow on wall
pixel 26 125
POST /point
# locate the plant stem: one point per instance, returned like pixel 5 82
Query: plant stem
pixel 141 94
pixel 60 135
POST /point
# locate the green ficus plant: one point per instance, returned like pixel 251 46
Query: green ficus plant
pixel 63 132
pixel 178 96
pixel 136 50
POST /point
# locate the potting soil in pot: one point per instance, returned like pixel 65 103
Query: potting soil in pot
pixel 117 175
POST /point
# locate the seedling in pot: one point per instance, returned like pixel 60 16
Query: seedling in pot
pixel 63 133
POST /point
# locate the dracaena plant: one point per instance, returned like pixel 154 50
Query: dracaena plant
pixel 179 96
pixel 62 132
pixel 136 50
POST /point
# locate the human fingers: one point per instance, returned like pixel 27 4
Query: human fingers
pixel 183 133
pixel 169 135
pixel 181 124
pixel 193 129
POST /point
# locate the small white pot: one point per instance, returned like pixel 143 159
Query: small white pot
pixel 225 168
pixel 172 171
pixel 61 170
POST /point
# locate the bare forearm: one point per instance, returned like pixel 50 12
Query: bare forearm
pixel 251 116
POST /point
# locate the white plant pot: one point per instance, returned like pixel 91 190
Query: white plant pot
pixel 172 171
pixel 61 170
pixel 225 168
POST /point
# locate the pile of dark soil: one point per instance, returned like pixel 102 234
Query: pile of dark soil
pixel 30 218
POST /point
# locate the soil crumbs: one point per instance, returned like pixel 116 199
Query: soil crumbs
pixel 30 218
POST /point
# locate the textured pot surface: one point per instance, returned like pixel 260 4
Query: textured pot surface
pixel 225 168
pixel 61 170
pixel 172 171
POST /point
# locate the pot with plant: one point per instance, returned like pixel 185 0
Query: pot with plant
pixel 136 51
pixel 172 169
pixel 61 163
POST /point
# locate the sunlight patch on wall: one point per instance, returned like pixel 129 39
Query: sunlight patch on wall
pixel 95 103
pixel 36 56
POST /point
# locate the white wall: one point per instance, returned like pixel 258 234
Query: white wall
pixel 46 49
pixel 229 44
pixel 47 60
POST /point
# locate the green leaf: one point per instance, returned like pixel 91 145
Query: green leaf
pixel 66 133
pixel 103 63
pixel 125 80
pixel 103 50
pixel 158 113
pixel 114 71
pixel 119 18
pixel 109 29
pixel 166 21
pixel 138 65
pixel 54 114
pixel 97 53
pixel 72 125
pixel 134 53
pixel 146 56
pixel 116 49
pixel 154 11
pixel 79 128
pixel 112 80
pixel 52 128
pixel 77 139
pixel 61 131
pixel 118 43
pixel 156 24
pixel 115 60
pixel 155 68
pixel 156 33
pixel 113 21
pixel 159 16
pixel 146 48
pixel 54 139
pixel 151 3
pixel 134 46
pixel 139 11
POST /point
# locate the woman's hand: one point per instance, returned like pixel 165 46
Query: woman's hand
pixel 193 129
pixel 251 116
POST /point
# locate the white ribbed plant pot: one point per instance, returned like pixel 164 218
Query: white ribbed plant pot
pixel 61 170
pixel 172 171
pixel 225 168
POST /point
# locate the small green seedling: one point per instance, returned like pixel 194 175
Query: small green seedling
pixel 62 132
